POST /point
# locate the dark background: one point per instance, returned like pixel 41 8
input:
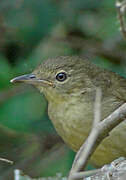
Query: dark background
pixel 31 31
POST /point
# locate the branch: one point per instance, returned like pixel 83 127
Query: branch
pixel 6 160
pixel 96 135
pixel 121 8
pixel 114 171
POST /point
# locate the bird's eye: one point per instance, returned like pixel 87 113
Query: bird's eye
pixel 61 76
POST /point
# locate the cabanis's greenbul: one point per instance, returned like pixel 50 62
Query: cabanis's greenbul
pixel 69 85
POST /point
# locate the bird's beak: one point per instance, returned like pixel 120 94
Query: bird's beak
pixel 31 79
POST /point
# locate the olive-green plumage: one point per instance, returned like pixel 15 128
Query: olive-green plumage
pixel 69 84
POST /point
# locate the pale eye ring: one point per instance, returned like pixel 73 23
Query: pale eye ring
pixel 62 76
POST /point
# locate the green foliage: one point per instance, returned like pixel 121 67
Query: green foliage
pixel 23 111
pixel 5 72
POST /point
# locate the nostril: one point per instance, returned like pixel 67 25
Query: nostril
pixel 32 76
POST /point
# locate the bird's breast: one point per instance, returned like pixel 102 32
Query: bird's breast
pixel 72 120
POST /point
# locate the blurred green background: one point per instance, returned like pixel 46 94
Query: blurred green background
pixel 31 31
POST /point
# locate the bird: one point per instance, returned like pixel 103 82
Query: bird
pixel 69 84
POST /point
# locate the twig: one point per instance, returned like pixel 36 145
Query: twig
pixel 97 107
pixel 121 8
pixel 87 148
pixel 6 160
pixel 95 137
pixel 84 174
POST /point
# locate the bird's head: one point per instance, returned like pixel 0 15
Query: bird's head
pixel 61 76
